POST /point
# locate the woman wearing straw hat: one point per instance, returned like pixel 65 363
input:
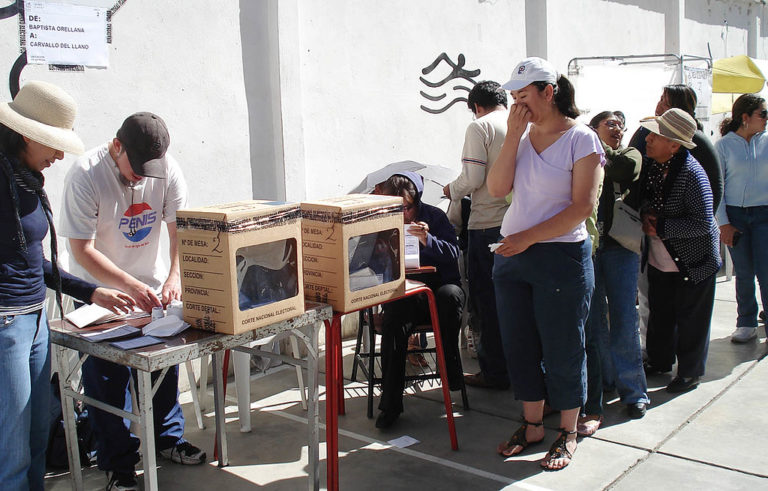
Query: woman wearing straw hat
pixel 35 131
pixel 743 213
pixel 682 250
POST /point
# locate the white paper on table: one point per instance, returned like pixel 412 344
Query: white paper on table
pixel 165 327
pixel 411 249
pixel 94 314
pixel 403 441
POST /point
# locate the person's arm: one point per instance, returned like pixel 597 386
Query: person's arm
pixel 175 199
pixel 706 155
pixel 87 292
pixel 172 286
pixel 584 189
pixel 501 177
pixel 105 271
pixel 474 159
pixel 727 231
pixel 440 245
pixel 622 166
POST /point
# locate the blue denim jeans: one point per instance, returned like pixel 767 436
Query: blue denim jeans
pixel 542 297
pixel 750 259
pixel 25 371
pixel 490 354
pixel 620 353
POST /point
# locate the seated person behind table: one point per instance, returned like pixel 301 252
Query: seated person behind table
pixel 438 246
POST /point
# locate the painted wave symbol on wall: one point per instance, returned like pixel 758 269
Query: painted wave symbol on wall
pixel 457 71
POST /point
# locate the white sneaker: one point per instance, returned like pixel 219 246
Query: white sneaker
pixel 743 334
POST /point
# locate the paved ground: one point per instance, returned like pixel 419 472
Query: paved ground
pixel 711 438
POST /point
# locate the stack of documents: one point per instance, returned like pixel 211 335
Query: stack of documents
pixel 88 315
pixel 165 327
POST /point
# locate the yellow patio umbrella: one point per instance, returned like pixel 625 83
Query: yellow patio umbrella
pixel 732 77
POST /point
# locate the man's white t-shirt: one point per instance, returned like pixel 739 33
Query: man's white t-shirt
pixel 124 221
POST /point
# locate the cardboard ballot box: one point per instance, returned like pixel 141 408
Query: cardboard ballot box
pixel 240 265
pixel 352 247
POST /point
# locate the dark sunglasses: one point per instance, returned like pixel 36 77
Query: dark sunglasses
pixel 763 113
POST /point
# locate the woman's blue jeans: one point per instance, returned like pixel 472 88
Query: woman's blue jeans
pixel 25 369
pixel 619 353
pixel 750 259
pixel 542 297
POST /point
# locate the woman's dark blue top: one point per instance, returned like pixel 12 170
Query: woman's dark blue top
pixel 25 274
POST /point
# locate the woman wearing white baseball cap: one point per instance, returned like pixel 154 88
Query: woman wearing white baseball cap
pixel 543 270
pixel 35 131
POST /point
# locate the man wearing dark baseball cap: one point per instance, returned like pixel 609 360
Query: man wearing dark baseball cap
pixel 146 139
pixel 116 198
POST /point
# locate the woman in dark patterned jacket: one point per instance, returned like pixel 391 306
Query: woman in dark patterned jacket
pixel 681 250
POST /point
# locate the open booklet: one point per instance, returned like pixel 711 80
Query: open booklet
pixel 88 315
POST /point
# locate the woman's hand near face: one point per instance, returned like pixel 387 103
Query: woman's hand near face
pixel 518 119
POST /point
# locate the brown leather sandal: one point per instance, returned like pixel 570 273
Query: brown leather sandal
pixel 559 450
pixel 518 440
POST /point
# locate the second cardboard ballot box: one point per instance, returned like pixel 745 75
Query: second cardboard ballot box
pixel 353 250
pixel 241 268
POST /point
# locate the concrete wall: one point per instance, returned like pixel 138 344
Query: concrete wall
pixel 360 81
pixel 354 67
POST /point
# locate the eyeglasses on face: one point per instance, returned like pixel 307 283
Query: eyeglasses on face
pixel 763 113
pixel 614 125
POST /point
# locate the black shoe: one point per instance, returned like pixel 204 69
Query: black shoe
pixel 636 410
pixel 386 419
pixel 122 481
pixel 184 453
pixel 479 380
pixel 651 369
pixel 761 315
pixel 682 384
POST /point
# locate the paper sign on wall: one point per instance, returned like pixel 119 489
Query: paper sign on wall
pixel 65 34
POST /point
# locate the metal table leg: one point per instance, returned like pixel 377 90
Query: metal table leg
pixel 68 410
pixel 313 414
pixel 147 429
pixel 332 402
pixel 218 404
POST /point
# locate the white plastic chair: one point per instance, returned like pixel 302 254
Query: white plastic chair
pixel 242 369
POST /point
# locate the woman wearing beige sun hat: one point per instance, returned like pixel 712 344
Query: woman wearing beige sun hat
pixel 681 250
pixel 35 131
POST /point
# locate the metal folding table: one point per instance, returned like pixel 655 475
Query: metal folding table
pixel 189 345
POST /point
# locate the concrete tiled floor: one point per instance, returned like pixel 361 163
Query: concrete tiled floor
pixel 711 438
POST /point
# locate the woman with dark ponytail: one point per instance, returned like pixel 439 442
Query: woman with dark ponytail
pixel 743 212
pixel 35 131
pixel 542 270
pixel 683 97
